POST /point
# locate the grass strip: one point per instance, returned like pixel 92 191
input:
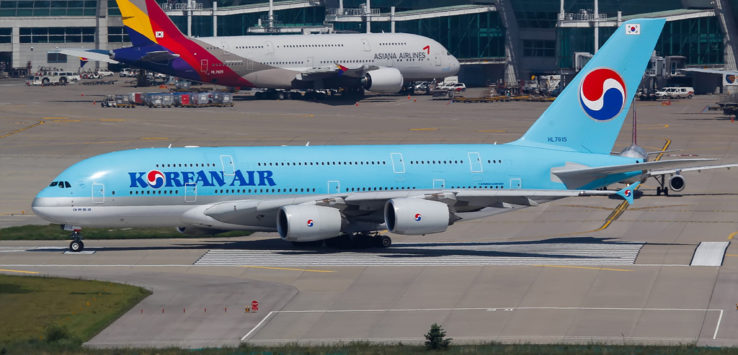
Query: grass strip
pixel 364 348
pixel 55 232
pixel 48 312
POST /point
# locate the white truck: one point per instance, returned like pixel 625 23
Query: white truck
pixel 53 78
pixel 675 92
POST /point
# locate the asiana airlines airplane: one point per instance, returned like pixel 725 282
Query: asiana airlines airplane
pixel 315 193
pixel 379 62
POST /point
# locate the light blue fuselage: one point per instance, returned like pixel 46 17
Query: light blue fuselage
pixel 113 189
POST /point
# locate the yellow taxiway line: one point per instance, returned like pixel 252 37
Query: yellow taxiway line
pixel 19 130
pixel 19 271
pixel 624 205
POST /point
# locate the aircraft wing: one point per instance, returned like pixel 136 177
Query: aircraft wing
pixel 581 176
pixel 694 168
pixel 91 54
pixel 333 71
pixel 368 207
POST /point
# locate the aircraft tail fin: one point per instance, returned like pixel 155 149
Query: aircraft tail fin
pixel 147 24
pixel 589 113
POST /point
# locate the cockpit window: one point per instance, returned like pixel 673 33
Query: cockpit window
pixel 61 184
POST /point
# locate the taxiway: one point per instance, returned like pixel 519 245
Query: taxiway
pixel 542 274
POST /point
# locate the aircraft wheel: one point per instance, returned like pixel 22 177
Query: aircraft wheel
pixel 76 246
pixel 385 241
pixel 666 191
pixel 658 191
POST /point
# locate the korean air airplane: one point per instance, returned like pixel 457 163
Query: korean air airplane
pixel 315 193
pixel 378 62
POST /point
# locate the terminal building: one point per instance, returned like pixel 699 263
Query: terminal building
pixel 495 40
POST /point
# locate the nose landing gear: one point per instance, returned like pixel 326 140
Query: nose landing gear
pixel 76 245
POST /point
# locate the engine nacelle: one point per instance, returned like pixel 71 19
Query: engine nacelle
pixel 416 216
pixel 308 223
pixel 676 183
pixel 388 80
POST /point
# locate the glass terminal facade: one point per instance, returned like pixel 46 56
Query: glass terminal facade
pixel 472 30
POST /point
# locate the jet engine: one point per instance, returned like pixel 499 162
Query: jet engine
pixel 676 183
pixel 416 216
pixel 388 80
pixel 308 223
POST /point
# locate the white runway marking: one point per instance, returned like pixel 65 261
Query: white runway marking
pixel 20 249
pixel 478 309
pixel 709 254
pixel 514 253
pixel 83 252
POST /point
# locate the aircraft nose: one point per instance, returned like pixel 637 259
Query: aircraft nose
pixel 455 64
pixel 42 208
pixel 37 206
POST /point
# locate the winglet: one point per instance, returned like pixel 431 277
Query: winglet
pixel 628 192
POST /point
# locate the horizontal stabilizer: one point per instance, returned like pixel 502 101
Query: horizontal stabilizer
pixel 159 57
pixel 91 54
pixel 577 177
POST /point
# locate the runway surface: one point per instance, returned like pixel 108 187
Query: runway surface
pixel 430 254
pixel 549 273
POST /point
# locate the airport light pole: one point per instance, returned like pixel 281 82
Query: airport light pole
pixel 596 26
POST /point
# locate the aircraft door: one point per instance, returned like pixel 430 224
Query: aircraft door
pixel 365 45
pixel 516 183
pixel 204 66
pixel 334 186
pixel 98 193
pixel 398 164
pixel 309 62
pixel 269 47
pixel 190 192
pixel 439 183
pixel 229 168
pixel 437 60
pixel 475 162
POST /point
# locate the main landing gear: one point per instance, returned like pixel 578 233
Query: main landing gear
pixel 662 188
pixel 76 245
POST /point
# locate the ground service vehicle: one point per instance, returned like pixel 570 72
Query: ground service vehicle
pixel 675 92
